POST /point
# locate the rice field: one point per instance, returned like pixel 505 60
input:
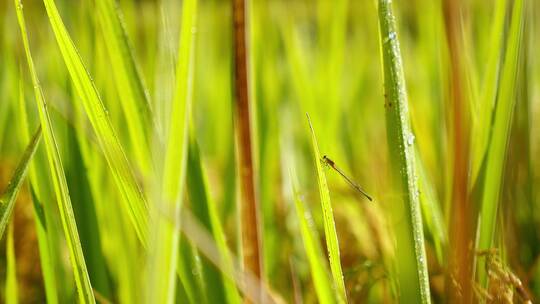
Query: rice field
pixel 249 151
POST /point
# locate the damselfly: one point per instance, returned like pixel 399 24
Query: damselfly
pixel 332 164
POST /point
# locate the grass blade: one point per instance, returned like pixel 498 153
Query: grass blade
pixel 129 84
pixel 133 198
pixel 205 211
pixel 496 152
pixel 431 210
pixel 85 216
pixel 412 267
pixel 164 258
pixel 7 201
pixel 4 113
pixel 328 219
pixel 80 273
pixel 319 273
pixel 189 273
pixel 45 241
pixel 11 269
pixel 484 108
pixel 245 280
pixel 178 129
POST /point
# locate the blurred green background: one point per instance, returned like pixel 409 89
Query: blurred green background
pixel 318 57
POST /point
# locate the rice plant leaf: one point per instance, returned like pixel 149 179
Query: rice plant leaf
pixel 247 282
pixel 164 258
pixel 431 210
pixel 7 201
pixel 133 198
pixel 11 269
pixel 189 272
pixel 413 276
pixel 496 151
pixel 4 113
pixel 44 240
pixel 329 224
pixel 129 84
pixel 80 273
pixel 205 211
pixel 319 273
pixel 485 105
pixel 176 148
pixel 85 215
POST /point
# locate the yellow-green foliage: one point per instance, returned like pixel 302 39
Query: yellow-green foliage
pixel 133 193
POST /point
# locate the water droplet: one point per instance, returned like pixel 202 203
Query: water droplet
pixel 410 139
pixel 414 196
pixel 390 37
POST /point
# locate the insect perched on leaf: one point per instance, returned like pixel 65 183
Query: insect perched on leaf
pixel 327 161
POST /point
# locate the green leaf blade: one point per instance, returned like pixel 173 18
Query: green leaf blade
pixel 165 261
pixel 413 276
pixel 132 92
pixel 80 272
pixel 133 198
pixel 498 145
pixel 7 200
pixel 329 223
pixel 319 273
pixel 205 211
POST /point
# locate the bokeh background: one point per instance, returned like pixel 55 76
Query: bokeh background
pixel 317 57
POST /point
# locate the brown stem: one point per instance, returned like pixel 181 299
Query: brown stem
pixel 248 200
pixel 460 273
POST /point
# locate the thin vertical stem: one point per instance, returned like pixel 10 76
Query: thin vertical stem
pixel 248 201
pixel 459 285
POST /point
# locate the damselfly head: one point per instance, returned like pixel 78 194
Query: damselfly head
pixel 326 160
